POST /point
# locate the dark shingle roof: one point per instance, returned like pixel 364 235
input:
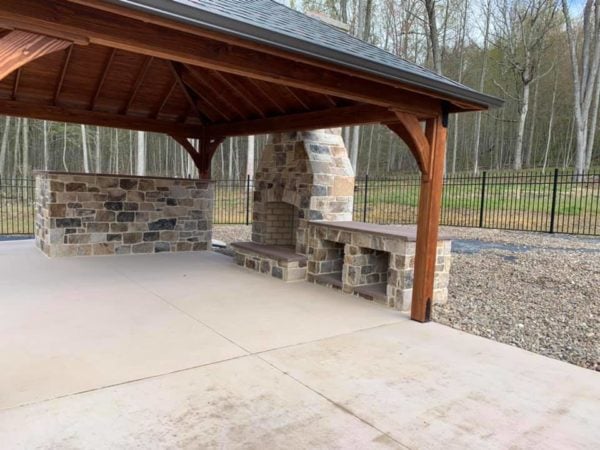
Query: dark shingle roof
pixel 275 24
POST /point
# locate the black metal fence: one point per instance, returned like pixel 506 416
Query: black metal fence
pixel 554 202
pixel 17 196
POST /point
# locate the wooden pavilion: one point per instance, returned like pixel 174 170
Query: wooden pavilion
pixel 211 69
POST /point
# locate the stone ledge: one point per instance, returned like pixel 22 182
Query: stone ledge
pixel 407 233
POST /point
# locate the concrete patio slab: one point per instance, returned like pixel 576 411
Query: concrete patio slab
pixel 243 403
pixel 69 326
pixel 190 351
pixel 430 386
pixel 255 311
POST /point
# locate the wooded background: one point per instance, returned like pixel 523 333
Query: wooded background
pixel 541 56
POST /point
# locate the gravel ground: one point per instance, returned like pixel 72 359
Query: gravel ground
pixel 536 291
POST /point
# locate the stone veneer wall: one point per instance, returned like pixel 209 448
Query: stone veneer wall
pixel 309 170
pixel 364 256
pixel 90 214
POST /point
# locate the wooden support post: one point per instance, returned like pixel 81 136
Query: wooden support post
pixel 428 148
pixel 202 156
pixel 430 201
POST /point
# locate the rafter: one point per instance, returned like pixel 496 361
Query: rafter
pixel 16 83
pixel 18 48
pixel 210 108
pixel 190 96
pixel 138 83
pixel 63 73
pixel 165 99
pixel 215 92
pixel 297 98
pixel 269 98
pixel 240 91
pixel 107 64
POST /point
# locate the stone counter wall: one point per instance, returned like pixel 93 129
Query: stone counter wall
pixel 89 214
pixel 369 259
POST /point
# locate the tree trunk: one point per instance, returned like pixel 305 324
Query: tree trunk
pixel 354 148
pixel 141 154
pixel 550 124
pixel 25 161
pixel 45 137
pixel 250 157
pixel 64 150
pixel 86 165
pixel 593 122
pixel 523 109
pixel 433 35
pixel 98 168
pixel 4 147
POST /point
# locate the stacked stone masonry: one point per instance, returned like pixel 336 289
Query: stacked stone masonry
pixel 372 256
pixel 281 262
pixel 89 214
pixel 309 171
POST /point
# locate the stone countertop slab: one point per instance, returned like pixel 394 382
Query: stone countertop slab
pixel 407 233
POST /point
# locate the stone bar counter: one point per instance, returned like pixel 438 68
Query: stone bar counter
pixel 373 261
pixel 93 214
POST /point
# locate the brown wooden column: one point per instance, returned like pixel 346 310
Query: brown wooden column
pixel 428 148
pixel 430 201
pixel 203 155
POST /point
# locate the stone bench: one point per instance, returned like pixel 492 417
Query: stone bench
pixel 373 261
pixel 278 261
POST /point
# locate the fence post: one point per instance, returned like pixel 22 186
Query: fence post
pixel 365 200
pixel 482 201
pixel 248 200
pixel 554 192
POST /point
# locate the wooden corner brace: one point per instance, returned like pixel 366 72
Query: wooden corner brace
pixel 18 48
pixel 428 147
pixel 202 156
pixel 408 128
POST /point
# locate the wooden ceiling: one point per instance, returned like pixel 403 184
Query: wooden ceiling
pixel 126 69
pixel 134 89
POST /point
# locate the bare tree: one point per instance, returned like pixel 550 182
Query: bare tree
pixel 482 78
pixel 522 28
pixel 585 64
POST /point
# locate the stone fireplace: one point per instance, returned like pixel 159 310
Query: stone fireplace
pixel 302 176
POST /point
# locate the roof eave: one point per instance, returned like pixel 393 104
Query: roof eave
pixel 213 22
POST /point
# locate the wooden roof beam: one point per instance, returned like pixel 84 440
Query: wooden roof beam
pixel 332 117
pixel 18 48
pixel 86 117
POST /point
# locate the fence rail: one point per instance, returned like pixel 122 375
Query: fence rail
pixel 555 202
